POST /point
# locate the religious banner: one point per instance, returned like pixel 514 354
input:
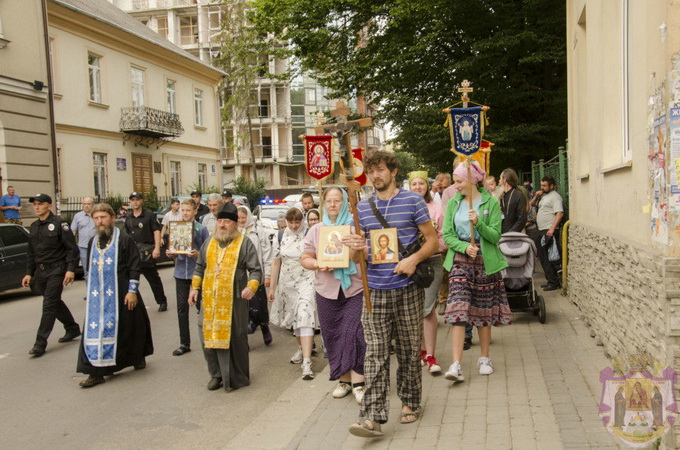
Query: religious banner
pixel 319 156
pixel 467 129
pixel 359 173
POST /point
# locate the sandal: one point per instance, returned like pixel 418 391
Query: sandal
pixel 366 428
pixel 416 413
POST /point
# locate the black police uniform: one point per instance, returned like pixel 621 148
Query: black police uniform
pixel 142 228
pixel 52 251
pixel 202 211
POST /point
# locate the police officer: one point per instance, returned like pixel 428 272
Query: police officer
pixel 197 196
pixel 52 260
pixel 226 196
pixel 142 225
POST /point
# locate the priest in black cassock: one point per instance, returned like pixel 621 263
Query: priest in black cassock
pixel 117 331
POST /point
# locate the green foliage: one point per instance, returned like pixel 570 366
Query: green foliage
pixel 115 201
pixel 410 57
pixel 254 190
pixel 204 190
pixel 151 201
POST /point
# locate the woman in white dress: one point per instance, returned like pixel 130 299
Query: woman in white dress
pixel 292 292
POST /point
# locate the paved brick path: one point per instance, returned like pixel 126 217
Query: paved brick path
pixel 543 394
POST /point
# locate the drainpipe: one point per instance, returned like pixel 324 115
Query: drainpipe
pixel 50 102
pixel 565 250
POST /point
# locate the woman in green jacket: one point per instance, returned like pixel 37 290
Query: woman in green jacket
pixel 476 290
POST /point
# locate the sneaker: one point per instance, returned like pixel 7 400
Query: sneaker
pixel 341 390
pixel 359 393
pixel 423 359
pixel 307 373
pixel 485 367
pixel 432 365
pixel 297 356
pixel 455 373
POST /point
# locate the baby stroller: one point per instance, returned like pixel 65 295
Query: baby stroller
pixel 520 253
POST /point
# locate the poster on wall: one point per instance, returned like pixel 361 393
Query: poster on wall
pixel 121 164
pixel 657 165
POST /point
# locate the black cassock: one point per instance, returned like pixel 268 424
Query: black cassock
pixel 134 329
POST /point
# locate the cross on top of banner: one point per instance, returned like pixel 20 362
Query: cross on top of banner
pixel 464 89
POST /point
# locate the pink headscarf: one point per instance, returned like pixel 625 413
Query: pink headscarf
pixel 477 172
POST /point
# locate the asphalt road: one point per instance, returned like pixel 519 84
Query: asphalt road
pixel 166 405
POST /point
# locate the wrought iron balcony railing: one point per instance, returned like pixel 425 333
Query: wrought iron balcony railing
pixel 149 122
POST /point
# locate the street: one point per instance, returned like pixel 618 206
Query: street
pixel 165 405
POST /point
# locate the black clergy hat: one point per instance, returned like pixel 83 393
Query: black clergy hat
pixel 42 198
pixel 139 195
pixel 228 211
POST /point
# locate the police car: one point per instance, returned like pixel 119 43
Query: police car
pixel 268 211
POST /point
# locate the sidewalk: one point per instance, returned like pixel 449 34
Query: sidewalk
pixel 543 394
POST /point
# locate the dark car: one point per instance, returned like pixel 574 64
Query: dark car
pixel 13 254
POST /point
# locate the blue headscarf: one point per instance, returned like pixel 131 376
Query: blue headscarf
pixel 344 218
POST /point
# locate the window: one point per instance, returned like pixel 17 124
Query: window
pixel 266 146
pixel 140 4
pixel 175 178
pixel 188 30
pixel 198 107
pixel 137 80
pixel 310 96
pixel 99 166
pixel 162 26
pixel 264 108
pixel 202 176
pixel 214 23
pixel 94 78
pixel 12 236
pixel 170 95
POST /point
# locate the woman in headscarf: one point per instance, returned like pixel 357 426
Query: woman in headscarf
pixel 292 292
pixel 339 300
pixel 476 290
pixel 418 183
pixel 313 217
pixel 259 314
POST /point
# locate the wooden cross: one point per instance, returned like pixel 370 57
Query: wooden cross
pixel 342 131
pixel 464 89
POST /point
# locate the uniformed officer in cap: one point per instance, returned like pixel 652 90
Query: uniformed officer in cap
pixel 226 196
pixel 142 225
pixel 52 260
pixel 203 209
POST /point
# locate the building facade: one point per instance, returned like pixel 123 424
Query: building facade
pixel 132 110
pixel 26 151
pixel 624 149
pixel 281 110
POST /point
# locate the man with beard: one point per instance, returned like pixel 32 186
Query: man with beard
pixel 397 301
pixel 228 273
pixel 548 219
pixel 117 328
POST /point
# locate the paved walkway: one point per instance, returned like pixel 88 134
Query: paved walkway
pixel 543 394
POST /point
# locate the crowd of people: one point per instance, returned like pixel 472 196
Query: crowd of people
pixel 442 235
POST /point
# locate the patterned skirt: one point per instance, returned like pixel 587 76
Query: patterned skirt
pixel 475 297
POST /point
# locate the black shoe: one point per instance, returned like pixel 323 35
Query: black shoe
pixel 266 334
pixel 551 287
pixel 92 381
pixel 141 365
pixel 543 286
pixel 36 351
pixel 214 384
pixel 163 307
pixel 68 337
pixel 181 350
pixel 467 344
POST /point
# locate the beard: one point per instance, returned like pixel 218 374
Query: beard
pixel 385 185
pixel 104 232
pixel 225 236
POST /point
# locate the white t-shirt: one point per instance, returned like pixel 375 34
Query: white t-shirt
pixel 549 205
pixel 171 217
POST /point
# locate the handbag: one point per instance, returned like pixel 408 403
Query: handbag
pixel 145 255
pixel 424 273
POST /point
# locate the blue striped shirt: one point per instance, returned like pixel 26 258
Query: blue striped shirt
pixel 405 211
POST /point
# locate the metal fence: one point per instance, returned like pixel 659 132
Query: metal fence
pixel 69 206
pixel 558 168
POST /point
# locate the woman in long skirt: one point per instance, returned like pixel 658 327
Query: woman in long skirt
pixel 476 290
pixel 339 301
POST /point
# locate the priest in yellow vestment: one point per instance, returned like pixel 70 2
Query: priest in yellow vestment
pixel 228 273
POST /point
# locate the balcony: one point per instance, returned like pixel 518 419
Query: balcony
pixel 150 123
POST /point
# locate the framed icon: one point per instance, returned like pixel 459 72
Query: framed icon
pixel 181 237
pixel 331 251
pixel 384 246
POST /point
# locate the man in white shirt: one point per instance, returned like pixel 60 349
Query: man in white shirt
pixel 210 220
pixel 548 218
pixel 174 215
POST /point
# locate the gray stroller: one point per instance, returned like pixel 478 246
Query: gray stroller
pixel 520 253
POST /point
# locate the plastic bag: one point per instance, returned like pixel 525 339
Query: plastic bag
pixel 551 245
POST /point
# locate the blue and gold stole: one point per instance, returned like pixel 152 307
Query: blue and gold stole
pixel 101 314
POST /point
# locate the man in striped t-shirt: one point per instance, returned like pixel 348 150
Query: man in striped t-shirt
pixel 397 301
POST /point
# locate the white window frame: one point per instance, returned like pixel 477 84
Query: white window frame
pixel 137 86
pixel 214 32
pixel 202 176
pixel 166 28
pixel 171 95
pixel 100 174
pixel 627 151
pixel 198 107
pixel 192 37
pixel 94 77
pixel 175 178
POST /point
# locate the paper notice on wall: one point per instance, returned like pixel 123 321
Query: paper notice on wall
pixel 675 149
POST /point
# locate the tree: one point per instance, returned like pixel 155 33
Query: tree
pixel 254 190
pixel 409 57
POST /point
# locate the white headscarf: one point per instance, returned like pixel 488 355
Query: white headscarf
pixel 250 220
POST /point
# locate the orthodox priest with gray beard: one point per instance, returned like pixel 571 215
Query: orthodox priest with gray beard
pixel 117 332
pixel 228 272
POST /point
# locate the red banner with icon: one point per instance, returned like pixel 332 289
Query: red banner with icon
pixel 359 172
pixel 319 156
